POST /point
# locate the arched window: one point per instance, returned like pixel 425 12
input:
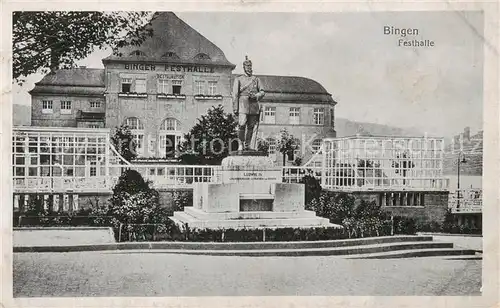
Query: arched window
pixel 202 56
pixel 137 129
pixel 134 123
pixel 316 145
pixel 137 53
pixel 170 124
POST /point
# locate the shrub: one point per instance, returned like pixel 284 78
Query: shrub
pixel 426 226
pixel 133 202
pixel 333 206
pixel 312 188
pixel 404 225
pixel 449 225
pixel 359 219
pixel 131 182
pixel 182 199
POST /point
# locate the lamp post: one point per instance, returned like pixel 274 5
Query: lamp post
pixel 460 159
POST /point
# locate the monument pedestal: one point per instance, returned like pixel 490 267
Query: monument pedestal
pixel 251 195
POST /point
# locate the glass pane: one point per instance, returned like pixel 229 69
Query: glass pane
pixel 33 171
pixel 19 171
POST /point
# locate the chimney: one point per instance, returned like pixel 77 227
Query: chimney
pixel 467 134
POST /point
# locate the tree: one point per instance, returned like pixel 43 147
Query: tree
pixel 208 142
pixel 44 41
pixel 403 164
pixel 297 162
pixel 123 141
pixel 133 202
pixel 263 146
pixel 287 144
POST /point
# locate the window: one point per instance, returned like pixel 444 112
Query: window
pixel 140 85
pixel 137 53
pixel 332 118
pixel 169 124
pixel 163 86
pixel 93 125
pixel 202 56
pixel 126 85
pixel 134 123
pixel 316 145
pixel 47 107
pixel 136 128
pixel 95 104
pixel 404 199
pixel 168 144
pixel 270 115
pixel 272 146
pixel 212 88
pixel 200 87
pixel 319 116
pixel 170 54
pixel 294 115
pixel 176 86
pixel 139 142
pixel 65 107
pixel 93 168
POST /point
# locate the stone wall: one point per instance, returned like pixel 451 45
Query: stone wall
pixel 434 209
pixel 56 118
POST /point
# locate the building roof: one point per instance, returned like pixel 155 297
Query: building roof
pixel 172 40
pixel 74 81
pixel 79 77
pixel 291 84
pixel 292 88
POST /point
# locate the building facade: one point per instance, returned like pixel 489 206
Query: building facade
pixel 162 86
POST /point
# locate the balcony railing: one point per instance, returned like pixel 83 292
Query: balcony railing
pixel 161 176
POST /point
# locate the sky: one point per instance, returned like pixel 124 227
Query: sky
pixel 437 90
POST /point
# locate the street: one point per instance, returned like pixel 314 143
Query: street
pixel 156 273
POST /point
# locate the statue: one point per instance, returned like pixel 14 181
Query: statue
pixel 247 92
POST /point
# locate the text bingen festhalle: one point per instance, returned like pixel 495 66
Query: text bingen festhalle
pixel 169 68
pixel 403 34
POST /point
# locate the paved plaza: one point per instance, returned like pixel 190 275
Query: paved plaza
pixel 156 273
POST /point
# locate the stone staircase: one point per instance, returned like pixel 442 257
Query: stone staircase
pixel 373 248
pixel 405 246
pixel 197 218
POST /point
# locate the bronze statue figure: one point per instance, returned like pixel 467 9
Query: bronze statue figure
pixel 247 92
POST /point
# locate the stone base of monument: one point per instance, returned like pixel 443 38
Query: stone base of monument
pixel 250 195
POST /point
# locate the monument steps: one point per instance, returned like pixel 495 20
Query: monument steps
pixel 302 222
pixel 290 245
pixel 328 251
pixel 414 253
pixel 374 248
pixel 199 214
